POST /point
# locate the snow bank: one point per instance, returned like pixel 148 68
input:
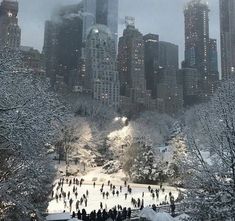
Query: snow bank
pixel 58 216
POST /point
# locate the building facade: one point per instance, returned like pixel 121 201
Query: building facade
pixel 213 57
pixel 10 32
pixel 107 14
pixel 199 47
pixel 169 91
pixel 168 55
pixel 63 43
pixel 190 79
pixel 151 62
pixel 227 37
pixel 132 69
pixel 101 68
pixel 89 16
pixel 197 39
pixel 32 60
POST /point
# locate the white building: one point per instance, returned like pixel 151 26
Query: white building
pixel 101 69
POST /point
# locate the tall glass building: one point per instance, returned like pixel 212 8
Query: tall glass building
pixel 227 35
pixel 104 12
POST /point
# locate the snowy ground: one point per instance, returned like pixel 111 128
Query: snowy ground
pixel 95 196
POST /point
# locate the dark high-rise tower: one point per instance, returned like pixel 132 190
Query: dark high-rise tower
pixel 198 45
pixel 196 16
pixel 63 45
pixel 213 57
pixel 151 61
pixel 10 32
pixel 227 34
pixel 107 14
pixel 169 55
pixel 131 65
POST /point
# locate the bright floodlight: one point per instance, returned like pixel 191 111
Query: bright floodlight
pixel 116 118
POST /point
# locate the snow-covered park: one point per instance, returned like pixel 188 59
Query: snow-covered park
pixel 95 197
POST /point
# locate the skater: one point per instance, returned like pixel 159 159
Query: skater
pixel 70 204
pixel 77 205
pixel 107 195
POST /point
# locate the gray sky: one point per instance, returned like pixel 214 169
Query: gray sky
pixel 163 17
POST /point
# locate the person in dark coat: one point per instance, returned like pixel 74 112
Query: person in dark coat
pixel 172 206
pixel 154 207
pixel 114 213
pixel 73 215
pixel 119 217
pixel 84 215
pixel 79 215
pixel 104 215
pixel 107 194
pixel 129 213
pixel 124 213
pixel 99 215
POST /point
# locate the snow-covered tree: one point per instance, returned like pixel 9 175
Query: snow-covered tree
pixel 177 142
pixel 209 166
pixel 30 115
pixel 142 164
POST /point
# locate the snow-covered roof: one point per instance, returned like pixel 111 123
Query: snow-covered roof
pixel 162 216
pixel 181 217
pixel 59 217
pixel 148 213
pixel 151 215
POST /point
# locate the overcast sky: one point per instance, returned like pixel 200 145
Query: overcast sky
pixel 163 17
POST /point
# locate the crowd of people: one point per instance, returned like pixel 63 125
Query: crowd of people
pixel 117 214
pixel 72 198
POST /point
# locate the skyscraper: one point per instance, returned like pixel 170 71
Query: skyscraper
pixel 89 16
pixel 169 91
pixel 227 37
pixel 196 16
pixel 197 46
pixel 131 66
pixel 101 68
pixel 213 57
pixel 10 33
pixel 168 55
pixel 107 14
pixel 63 42
pixel 190 79
pixel 151 61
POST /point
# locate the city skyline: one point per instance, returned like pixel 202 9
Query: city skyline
pixel 152 18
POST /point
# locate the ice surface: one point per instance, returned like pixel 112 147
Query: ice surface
pixel 95 196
